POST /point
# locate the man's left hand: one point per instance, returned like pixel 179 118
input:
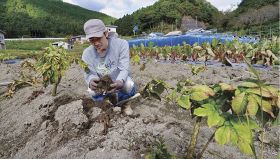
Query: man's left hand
pixel 117 85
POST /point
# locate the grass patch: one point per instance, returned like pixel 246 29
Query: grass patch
pixel 32 48
pixel 28 44
pixel 17 54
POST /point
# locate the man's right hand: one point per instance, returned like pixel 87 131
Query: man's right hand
pixel 93 84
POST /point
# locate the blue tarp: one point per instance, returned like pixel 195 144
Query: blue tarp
pixel 189 39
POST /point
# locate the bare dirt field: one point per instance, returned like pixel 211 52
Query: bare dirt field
pixel 71 126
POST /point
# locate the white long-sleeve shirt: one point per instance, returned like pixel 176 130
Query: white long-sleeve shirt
pixel 115 62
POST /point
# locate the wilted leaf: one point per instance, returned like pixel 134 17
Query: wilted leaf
pixel 199 96
pixel 155 95
pixel 273 91
pixel 210 52
pixel 203 88
pixel 265 105
pixel 263 92
pixel 184 101
pixel 238 103
pixel 158 88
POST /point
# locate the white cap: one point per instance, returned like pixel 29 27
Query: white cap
pixel 94 28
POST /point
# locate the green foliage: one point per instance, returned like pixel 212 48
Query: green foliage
pixel 28 44
pixel 234 112
pixel 136 59
pixel 45 18
pixel 52 65
pixel 164 13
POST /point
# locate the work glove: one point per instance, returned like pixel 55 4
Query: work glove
pixel 93 84
pixel 118 84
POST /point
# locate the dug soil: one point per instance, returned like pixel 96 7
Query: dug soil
pixel 34 124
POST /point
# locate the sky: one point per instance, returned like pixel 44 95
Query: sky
pixel 119 8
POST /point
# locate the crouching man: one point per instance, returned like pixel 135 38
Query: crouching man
pixel 107 55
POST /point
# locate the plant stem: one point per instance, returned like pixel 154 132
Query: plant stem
pixel 195 132
pixel 54 89
pixel 205 146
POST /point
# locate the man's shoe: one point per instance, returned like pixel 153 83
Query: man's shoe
pixel 127 109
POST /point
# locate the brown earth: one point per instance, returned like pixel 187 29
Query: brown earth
pixel 34 124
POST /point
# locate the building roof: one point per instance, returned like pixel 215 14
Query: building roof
pixel 112 26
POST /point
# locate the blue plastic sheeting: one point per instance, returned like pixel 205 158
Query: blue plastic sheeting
pixel 14 61
pixel 189 39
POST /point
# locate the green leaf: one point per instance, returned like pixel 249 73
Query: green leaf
pixel 222 135
pixel 233 136
pixel 249 84
pixel 252 107
pixel 201 111
pixel 199 96
pixel 252 124
pixel 243 132
pixel 184 101
pixel 226 87
pixel 245 148
pixel 210 111
pixel 203 88
pixel 214 118
pixel 239 103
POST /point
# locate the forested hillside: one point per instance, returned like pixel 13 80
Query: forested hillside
pixel 253 16
pixel 44 18
pixel 166 12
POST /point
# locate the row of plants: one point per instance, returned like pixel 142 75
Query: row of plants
pixel 266 52
pixel 236 113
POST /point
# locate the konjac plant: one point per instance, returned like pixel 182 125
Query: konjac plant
pixel 236 113
pixel 52 65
